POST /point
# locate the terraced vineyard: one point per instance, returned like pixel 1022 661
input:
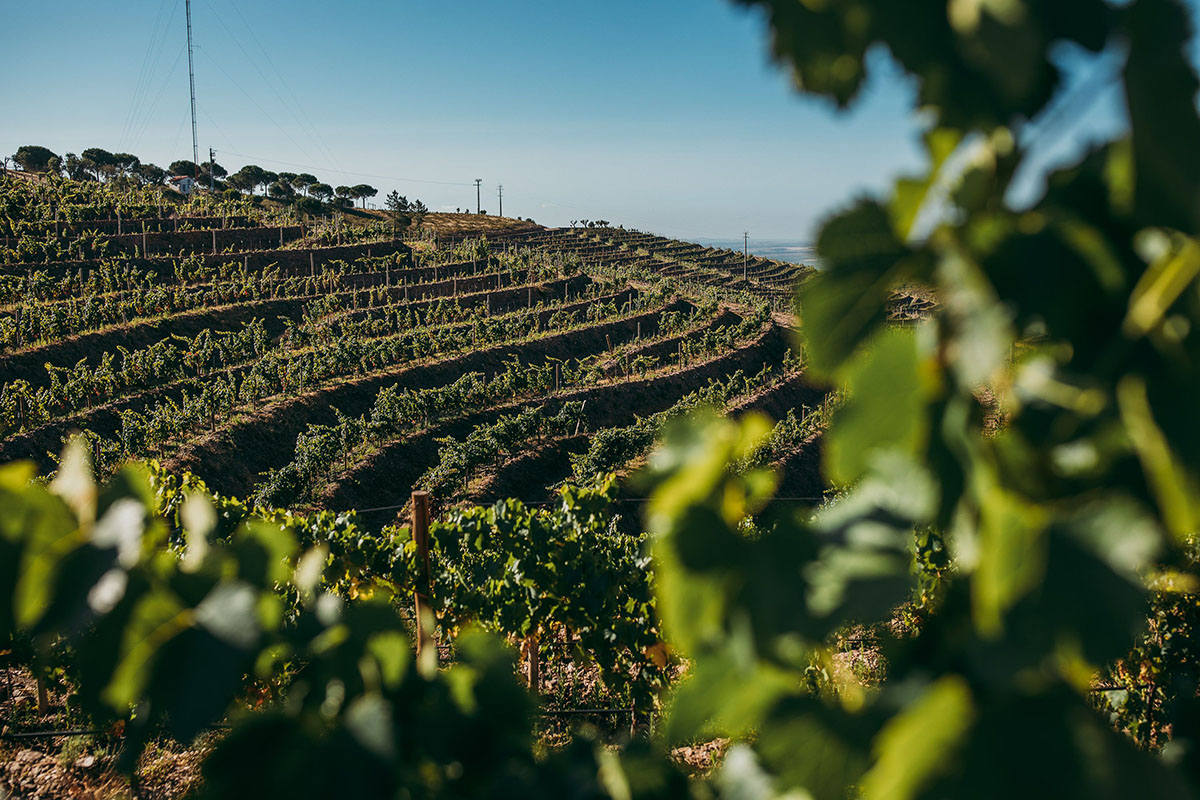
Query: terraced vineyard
pixel 277 364
pixel 301 500
pixel 324 370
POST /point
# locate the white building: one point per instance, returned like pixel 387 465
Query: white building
pixel 182 183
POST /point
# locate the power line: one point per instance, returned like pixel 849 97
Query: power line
pixel 140 126
pixel 257 69
pixel 264 112
pixel 135 99
pixel 155 45
pixel 320 140
pixel 179 131
pixel 213 122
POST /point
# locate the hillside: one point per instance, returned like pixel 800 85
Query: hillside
pixel 318 364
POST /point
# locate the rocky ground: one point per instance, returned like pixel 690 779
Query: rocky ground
pixel 81 767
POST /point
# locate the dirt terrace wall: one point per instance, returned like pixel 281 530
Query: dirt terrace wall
pixel 115 227
pixel 231 459
pixel 388 475
pixel 172 243
pixel 29 364
pixel 290 261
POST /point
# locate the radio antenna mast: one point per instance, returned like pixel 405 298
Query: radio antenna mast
pixel 192 85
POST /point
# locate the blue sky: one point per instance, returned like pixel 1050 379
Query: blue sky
pixel 664 115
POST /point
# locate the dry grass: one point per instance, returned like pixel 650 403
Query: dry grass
pixel 443 223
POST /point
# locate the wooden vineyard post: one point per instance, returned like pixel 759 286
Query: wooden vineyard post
pixel 281 236
pixel 579 421
pixel 312 265
pixel 214 235
pixel 43 697
pixel 534 662
pixel 421 599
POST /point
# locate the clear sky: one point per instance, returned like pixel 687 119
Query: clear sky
pixel 665 115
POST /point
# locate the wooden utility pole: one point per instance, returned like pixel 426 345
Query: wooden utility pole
pixel 502 200
pixel 421 600
pixel 478 183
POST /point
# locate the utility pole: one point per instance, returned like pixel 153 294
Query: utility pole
pixel 502 199
pixel 478 181
pixel 192 85
pixel 745 252
pixel 212 170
